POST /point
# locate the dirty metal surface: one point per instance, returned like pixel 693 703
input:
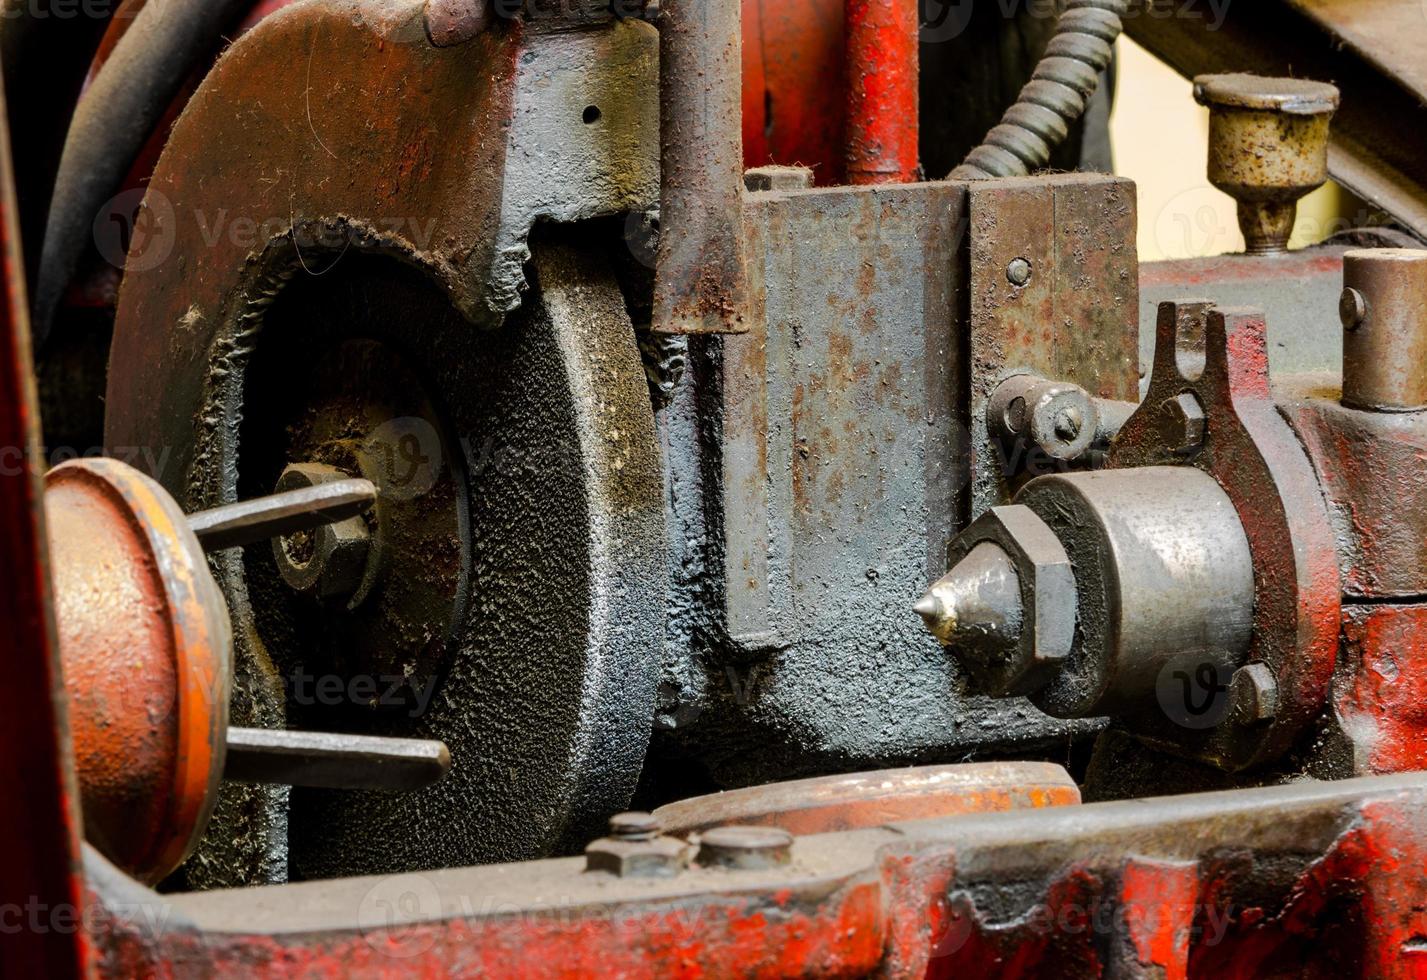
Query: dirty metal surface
pixel 1370 49
pixel 858 801
pixel 42 820
pixel 543 684
pixel 1073 319
pixel 383 182
pixel 1253 454
pixel 1312 879
pixel 584 138
pixel 1268 147
pixel 1161 567
pixel 1384 315
pixel 1298 292
pixel 1373 470
pixel 833 450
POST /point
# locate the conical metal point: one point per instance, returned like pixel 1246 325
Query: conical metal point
pixel 926 607
pixel 977 605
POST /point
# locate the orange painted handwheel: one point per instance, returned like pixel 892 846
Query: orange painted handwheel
pixel 146 649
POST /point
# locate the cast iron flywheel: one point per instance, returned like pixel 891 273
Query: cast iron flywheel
pixel 507 593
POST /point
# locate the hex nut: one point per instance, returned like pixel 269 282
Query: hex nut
pixel 658 857
pixel 330 561
pixel 1185 423
pixel 1048 596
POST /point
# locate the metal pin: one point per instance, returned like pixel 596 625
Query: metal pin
pixel 281 513
pixel 334 761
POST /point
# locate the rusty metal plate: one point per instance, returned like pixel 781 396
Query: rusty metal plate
pixel 1379 697
pixel 836 476
pixel 1250 882
pixel 1074 319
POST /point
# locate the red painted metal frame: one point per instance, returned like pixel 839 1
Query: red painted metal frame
pixel 40 883
pixel 1312 879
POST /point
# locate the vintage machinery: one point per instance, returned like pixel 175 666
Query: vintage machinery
pixel 519 390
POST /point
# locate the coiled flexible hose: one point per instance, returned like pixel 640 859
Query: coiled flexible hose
pixel 1056 96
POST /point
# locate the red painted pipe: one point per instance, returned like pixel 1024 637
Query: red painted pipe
pixel 882 105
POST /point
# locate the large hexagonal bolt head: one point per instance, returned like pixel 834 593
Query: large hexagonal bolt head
pixel 635 849
pixel 330 561
pixel 1007 607
pixel 1268 147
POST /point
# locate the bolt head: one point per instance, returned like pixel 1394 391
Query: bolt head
pixel 1352 308
pixel 659 857
pixel 1063 419
pixel 745 848
pixel 1018 272
pixel 1253 694
pixel 1068 423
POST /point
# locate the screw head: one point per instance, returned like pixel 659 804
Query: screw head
pixel 1068 422
pixel 1352 308
pixel 1018 272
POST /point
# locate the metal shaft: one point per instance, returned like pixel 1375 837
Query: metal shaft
pixel 702 280
pixel 334 761
pixel 1384 311
pixel 281 513
pixel 882 95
